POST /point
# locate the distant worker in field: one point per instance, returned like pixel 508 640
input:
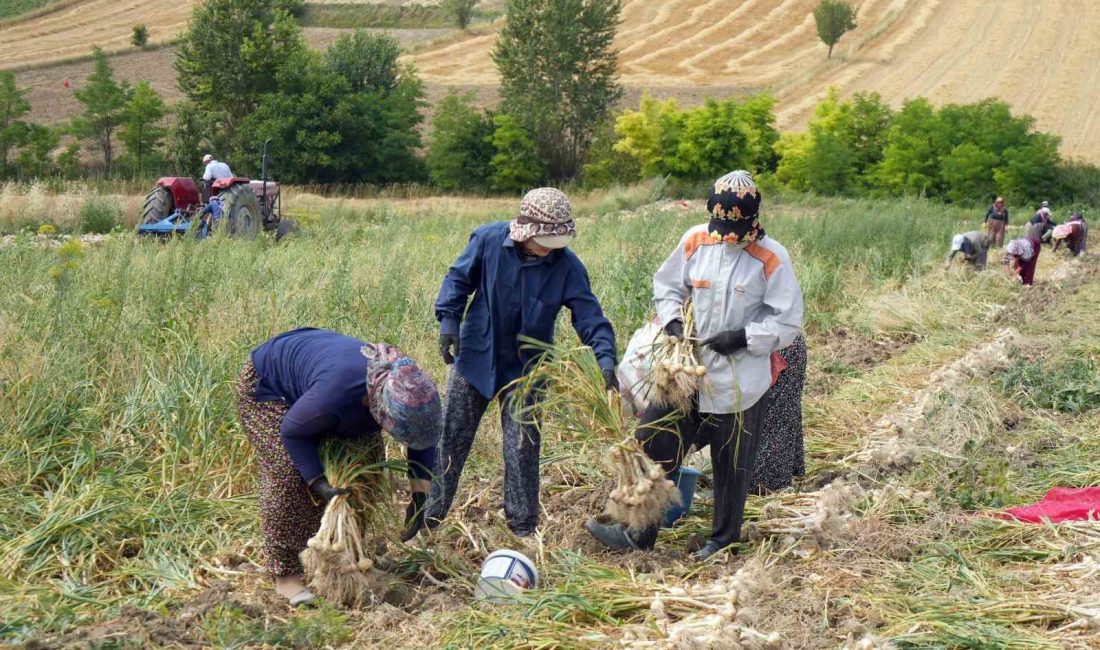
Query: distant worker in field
pixel 509 283
pixel 973 245
pixel 1021 258
pixel 215 169
pixel 1041 225
pixel 996 219
pixel 1073 233
pixel 747 305
pixel 309 384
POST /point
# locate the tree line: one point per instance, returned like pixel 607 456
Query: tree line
pixel 353 114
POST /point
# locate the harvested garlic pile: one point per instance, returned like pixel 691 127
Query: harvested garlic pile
pixel 644 493
pixel 705 616
pixel 336 558
pixel 823 515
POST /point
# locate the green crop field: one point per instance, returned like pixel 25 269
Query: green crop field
pixel 128 512
pixel 12 8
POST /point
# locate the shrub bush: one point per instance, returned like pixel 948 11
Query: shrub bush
pixel 140 36
pixel 99 214
pixel 1069 387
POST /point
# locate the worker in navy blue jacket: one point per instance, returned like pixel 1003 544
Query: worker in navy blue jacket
pixel 520 275
pixel 308 384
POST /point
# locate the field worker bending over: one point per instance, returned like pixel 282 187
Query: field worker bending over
pixel 973 245
pixel 520 275
pixel 747 305
pixel 1074 234
pixel 215 169
pixel 308 384
pixel 996 220
pixel 1041 225
pixel 1021 258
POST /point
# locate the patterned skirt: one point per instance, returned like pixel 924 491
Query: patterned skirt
pixel 781 455
pixel 289 515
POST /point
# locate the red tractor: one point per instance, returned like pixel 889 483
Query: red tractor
pixel 172 207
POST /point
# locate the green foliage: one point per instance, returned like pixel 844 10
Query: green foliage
pixel 699 143
pixel 834 18
pixel 34 158
pixel 367 60
pixel 232 54
pixel 12 8
pixel 461 11
pixel 13 105
pixel 515 165
pixel 139 37
pixel 979 481
pixel 186 134
pixel 99 214
pixel 141 131
pixel 1069 386
pixel 461 144
pixel 104 101
pixel 324 131
pixel 606 164
pixel 375 15
pixel 557 70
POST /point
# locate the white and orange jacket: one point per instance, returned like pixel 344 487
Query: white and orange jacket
pixel 732 286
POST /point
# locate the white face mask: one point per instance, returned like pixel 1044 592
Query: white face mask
pixel 554 241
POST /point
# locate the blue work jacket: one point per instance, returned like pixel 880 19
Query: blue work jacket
pixel 513 297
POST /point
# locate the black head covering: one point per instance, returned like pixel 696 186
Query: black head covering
pixel 734 206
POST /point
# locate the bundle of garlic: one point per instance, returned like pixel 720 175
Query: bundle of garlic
pixel 823 515
pixel 677 373
pixel 566 389
pixel 644 492
pixel 338 559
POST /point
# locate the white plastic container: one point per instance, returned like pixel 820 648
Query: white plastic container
pixel 505 574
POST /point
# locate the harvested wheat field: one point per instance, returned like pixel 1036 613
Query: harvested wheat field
pixel 73 29
pixel 1039 55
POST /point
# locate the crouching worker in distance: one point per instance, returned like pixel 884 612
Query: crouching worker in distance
pixel 308 384
pixel 973 245
pixel 747 304
pixel 520 274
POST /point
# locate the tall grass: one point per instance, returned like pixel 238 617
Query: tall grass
pixel 123 470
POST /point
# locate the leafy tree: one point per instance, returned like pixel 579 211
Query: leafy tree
pixel 34 158
pixel 516 166
pixel 967 172
pixel 461 145
pixel 13 105
pixel 651 135
pixel 104 101
pixel 140 36
pixel 713 141
pixel 186 135
pixel 913 146
pixel 232 54
pixel 141 131
pixel 367 60
pixel 462 11
pixel 323 131
pixel 557 70
pixel 1028 170
pixel 607 165
pixel 756 116
pixel 834 18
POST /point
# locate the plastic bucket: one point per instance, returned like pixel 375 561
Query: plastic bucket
pixel 504 574
pixel 685 480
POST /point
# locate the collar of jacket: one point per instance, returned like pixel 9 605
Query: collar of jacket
pixel 548 259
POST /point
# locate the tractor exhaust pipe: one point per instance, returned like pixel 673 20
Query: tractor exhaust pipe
pixel 263 175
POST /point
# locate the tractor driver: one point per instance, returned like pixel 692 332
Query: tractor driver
pixel 215 169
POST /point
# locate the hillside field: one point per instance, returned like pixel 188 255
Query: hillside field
pixel 934 399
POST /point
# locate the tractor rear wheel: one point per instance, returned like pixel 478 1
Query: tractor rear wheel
pixel 158 205
pixel 240 211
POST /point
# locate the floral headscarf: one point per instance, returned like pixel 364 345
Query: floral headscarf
pixel 402 398
pixel 734 206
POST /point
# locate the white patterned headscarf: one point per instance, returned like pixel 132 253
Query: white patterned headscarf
pixel 1021 248
pixel 546 216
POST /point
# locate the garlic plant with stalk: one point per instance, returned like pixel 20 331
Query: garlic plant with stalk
pixel 565 388
pixel 339 558
pixel 677 373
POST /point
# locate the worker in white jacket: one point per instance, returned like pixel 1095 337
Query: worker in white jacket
pixel 747 305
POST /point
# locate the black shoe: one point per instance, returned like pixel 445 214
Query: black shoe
pixel 705 553
pixel 613 535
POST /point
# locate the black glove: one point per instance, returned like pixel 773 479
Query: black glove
pixel 728 342
pixel 324 490
pixel 675 328
pixel 446 343
pixel 611 382
pixel 414 515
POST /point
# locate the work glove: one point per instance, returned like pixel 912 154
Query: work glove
pixel 447 343
pixel 324 490
pixel 728 342
pixel 414 515
pixel 611 382
pixel 675 328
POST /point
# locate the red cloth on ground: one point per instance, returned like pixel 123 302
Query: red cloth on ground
pixel 1060 504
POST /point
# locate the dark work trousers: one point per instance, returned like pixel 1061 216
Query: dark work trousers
pixel 733 440
pixel 462 412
